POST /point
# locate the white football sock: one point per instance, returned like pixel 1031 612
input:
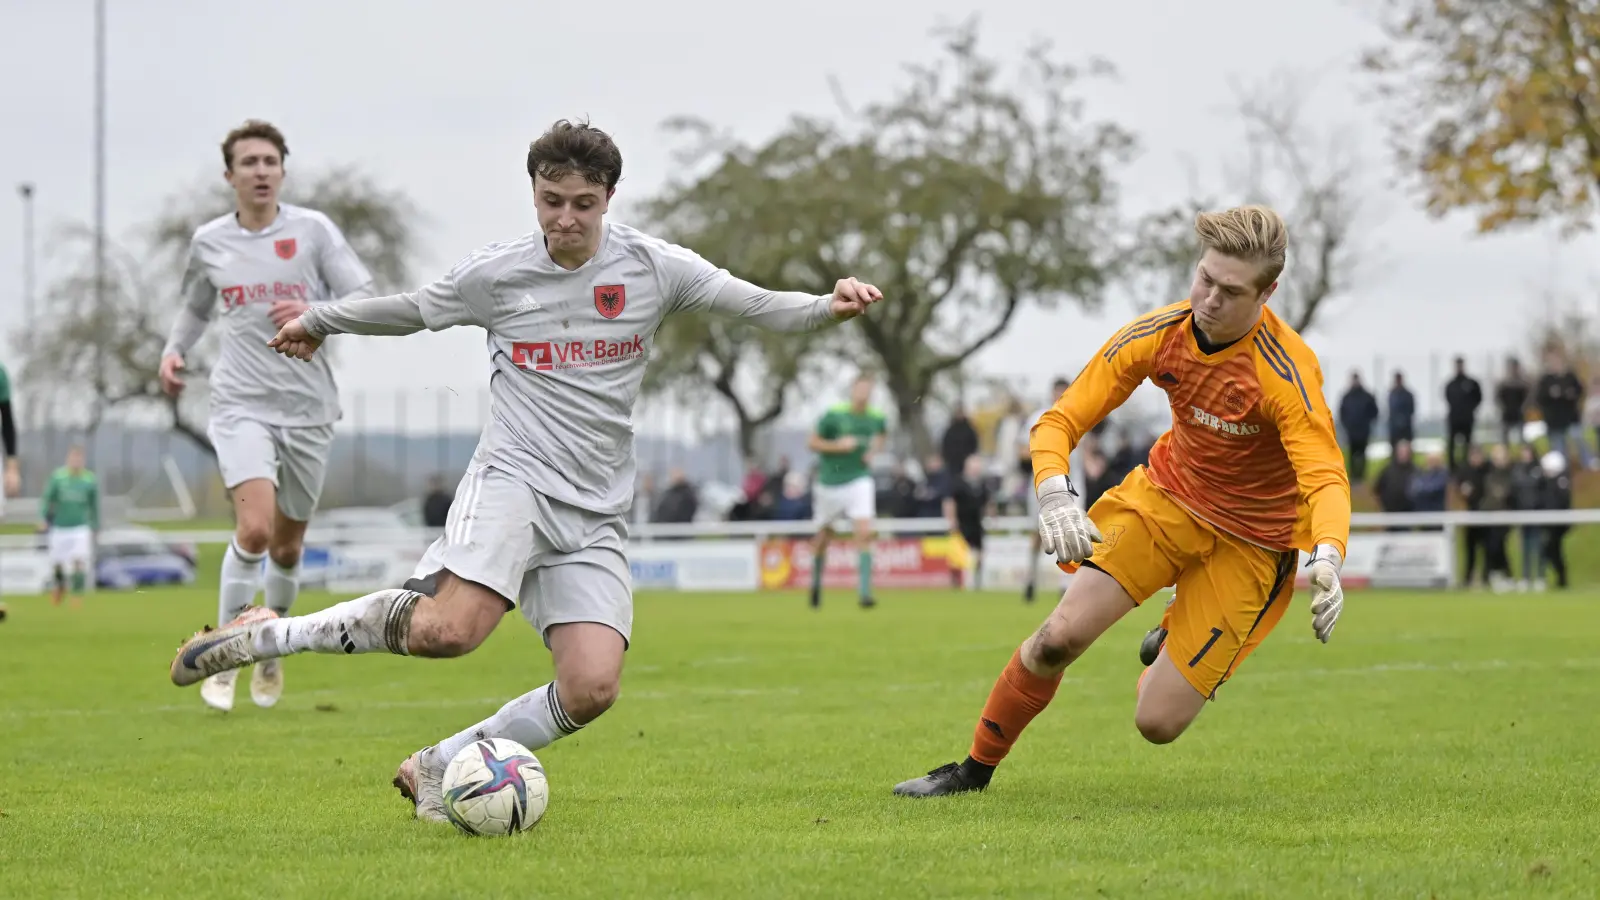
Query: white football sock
pixel 282 587
pixel 535 720
pixel 378 621
pixel 241 577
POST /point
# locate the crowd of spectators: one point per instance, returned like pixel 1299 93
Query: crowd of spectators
pixel 1488 463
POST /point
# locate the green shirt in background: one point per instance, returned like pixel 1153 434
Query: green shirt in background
pixel 840 421
pixel 71 501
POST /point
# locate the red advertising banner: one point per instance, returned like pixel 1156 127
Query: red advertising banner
pixel 896 563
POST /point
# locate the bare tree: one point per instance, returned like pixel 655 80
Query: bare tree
pixel 968 194
pixel 1311 177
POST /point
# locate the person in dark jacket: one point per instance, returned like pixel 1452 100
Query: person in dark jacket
pixel 1511 399
pixel 959 442
pixel 1469 484
pixel 1557 495
pixel 1393 487
pixel 1527 493
pixel 1498 496
pixel 1430 487
pixel 1559 396
pixel 436 504
pixel 1462 397
pixel 1402 412
pixel 1358 410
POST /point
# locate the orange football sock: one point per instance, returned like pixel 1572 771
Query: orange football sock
pixel 1018 695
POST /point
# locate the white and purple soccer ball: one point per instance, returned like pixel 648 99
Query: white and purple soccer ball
pixel 495 787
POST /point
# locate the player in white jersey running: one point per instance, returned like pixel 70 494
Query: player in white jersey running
pixel 271 418
pixel 538 523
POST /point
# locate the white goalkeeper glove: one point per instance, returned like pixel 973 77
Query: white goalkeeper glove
pixel 1064 531
pixel 1327 595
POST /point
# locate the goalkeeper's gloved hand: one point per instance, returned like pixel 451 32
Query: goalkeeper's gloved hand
pixel 1327 595
pixel 1064 530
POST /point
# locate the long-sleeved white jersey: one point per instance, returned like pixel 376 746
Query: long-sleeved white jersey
pixel 302 255
pixel 568 347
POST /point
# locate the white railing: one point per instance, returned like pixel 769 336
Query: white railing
pixel 1449 521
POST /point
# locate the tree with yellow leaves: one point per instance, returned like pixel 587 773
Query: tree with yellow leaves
pixel 1495 107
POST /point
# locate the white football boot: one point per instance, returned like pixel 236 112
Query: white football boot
pixel 217 691
pixel 266 683
pixel 420 780
pixel 212 651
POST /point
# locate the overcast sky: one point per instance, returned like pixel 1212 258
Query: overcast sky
pixel 442 98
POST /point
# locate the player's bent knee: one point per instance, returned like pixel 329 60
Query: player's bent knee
pixel 1157 728
pixel 456 620
pixel 253 536
pixel 587 698
pixel 286 553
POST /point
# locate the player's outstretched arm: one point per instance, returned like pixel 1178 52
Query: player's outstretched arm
pixel 436 307
pixel 199 301
pixel 1292 382
pixel 692 284
pixel 792 310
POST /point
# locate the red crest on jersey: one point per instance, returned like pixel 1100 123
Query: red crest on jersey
pixel 609 299
pixel 284 248
pixel 1233 399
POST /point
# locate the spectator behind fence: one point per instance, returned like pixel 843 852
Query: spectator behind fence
pixel 1358 410
pixel 1469 484
pixel 1559 395
pixel 1402 412
pixel 678 503
pixel 1430 487
pixel 960 441
pixel 1498 496
pixel 1393 487
pixel 436 504
pixel 794 504
pixel 1591 416
pixel 1527 494
pixel 1462 397
pixel 1557 495
pixel 1511 399
pixel 936 482
pixel 900 499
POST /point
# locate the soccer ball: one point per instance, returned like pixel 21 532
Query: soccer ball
pixel 495 787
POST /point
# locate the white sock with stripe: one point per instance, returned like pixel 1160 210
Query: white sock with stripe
pixel 241 578
pixel 535 720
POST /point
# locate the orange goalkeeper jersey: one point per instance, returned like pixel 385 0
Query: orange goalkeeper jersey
pixel 1252 445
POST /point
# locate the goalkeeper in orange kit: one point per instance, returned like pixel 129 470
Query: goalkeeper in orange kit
pixel 1249 471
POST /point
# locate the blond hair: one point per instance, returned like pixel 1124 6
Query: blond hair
pixel 1253 233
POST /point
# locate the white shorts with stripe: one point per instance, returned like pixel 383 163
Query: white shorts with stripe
pixel 553 561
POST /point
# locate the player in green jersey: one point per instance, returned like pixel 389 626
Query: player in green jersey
pixel 845 440
pixel 71 510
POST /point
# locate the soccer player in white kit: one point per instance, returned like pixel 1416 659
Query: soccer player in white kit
pixel 271 418
pixel 539 519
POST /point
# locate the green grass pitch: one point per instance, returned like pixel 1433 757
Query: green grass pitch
pixel 1442 746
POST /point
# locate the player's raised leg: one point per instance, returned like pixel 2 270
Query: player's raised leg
pixel 302 469
pixel 1092 603
pixel 479 563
